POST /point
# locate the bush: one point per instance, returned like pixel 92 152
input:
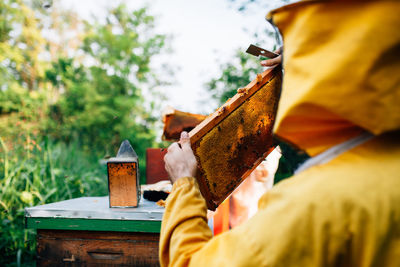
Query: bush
pixel 33 173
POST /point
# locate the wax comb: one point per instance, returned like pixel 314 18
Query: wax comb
pixel 230 143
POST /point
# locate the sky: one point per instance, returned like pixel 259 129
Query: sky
pixel 205 34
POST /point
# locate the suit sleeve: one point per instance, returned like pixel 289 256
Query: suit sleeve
pixel 287 231
pixel 184 228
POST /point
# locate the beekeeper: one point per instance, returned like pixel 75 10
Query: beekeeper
pixel 340 103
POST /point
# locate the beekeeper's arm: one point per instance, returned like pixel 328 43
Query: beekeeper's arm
pixel 184 227
pixel 284 232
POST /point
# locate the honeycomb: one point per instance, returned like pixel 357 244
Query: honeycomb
pixel 237 143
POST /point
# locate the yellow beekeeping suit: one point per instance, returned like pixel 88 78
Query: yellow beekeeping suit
pixel 342 77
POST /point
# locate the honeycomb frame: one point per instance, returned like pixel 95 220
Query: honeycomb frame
pixel 231 142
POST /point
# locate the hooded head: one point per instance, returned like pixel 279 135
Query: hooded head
pixel 342 71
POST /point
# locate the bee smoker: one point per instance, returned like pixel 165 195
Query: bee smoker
pixel 123 178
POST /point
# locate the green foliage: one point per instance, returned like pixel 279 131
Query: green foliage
pixel 20 46
pixel 104 104
pixel 37 173
pixel 65 105
pixel 291 159
pixel 238 72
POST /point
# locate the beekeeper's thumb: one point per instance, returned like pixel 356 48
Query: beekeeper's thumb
pixel 185 141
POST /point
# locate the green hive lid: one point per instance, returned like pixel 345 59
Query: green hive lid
pixel 93 213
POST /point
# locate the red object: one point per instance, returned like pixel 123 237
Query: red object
pixel 155 166
pixel 221 217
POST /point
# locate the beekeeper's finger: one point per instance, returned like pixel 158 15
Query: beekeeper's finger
pixel 272 62
pixel 185 141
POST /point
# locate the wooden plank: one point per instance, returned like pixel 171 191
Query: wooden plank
pixel 87 248
pixel 176 121
pixel 231 142
pixel 94 225
pixel 96 208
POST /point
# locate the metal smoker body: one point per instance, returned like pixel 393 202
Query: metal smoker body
pixel 123 178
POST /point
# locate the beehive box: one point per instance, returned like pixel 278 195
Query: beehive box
pixel 85 232
pixel 230 143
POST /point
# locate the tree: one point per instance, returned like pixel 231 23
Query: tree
pixel 21 45
pixel 236 73
pixel 104 103
pixel 65 102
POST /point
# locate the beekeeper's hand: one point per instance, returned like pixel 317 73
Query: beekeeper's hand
pixel 180 160
pixel 273 61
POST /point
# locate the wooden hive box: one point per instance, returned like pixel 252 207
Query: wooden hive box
pixel 230 143
pixel 85 232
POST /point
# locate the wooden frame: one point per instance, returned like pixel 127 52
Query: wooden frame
pixel 267 85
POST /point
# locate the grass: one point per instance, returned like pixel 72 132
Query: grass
pixel 33 173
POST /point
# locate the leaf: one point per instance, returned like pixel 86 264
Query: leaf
pixel 26 197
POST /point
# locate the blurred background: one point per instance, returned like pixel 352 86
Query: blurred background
pixel 78 77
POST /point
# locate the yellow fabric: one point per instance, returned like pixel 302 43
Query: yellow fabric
pixel 342 71
pixel 341 62
pixel 344 213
